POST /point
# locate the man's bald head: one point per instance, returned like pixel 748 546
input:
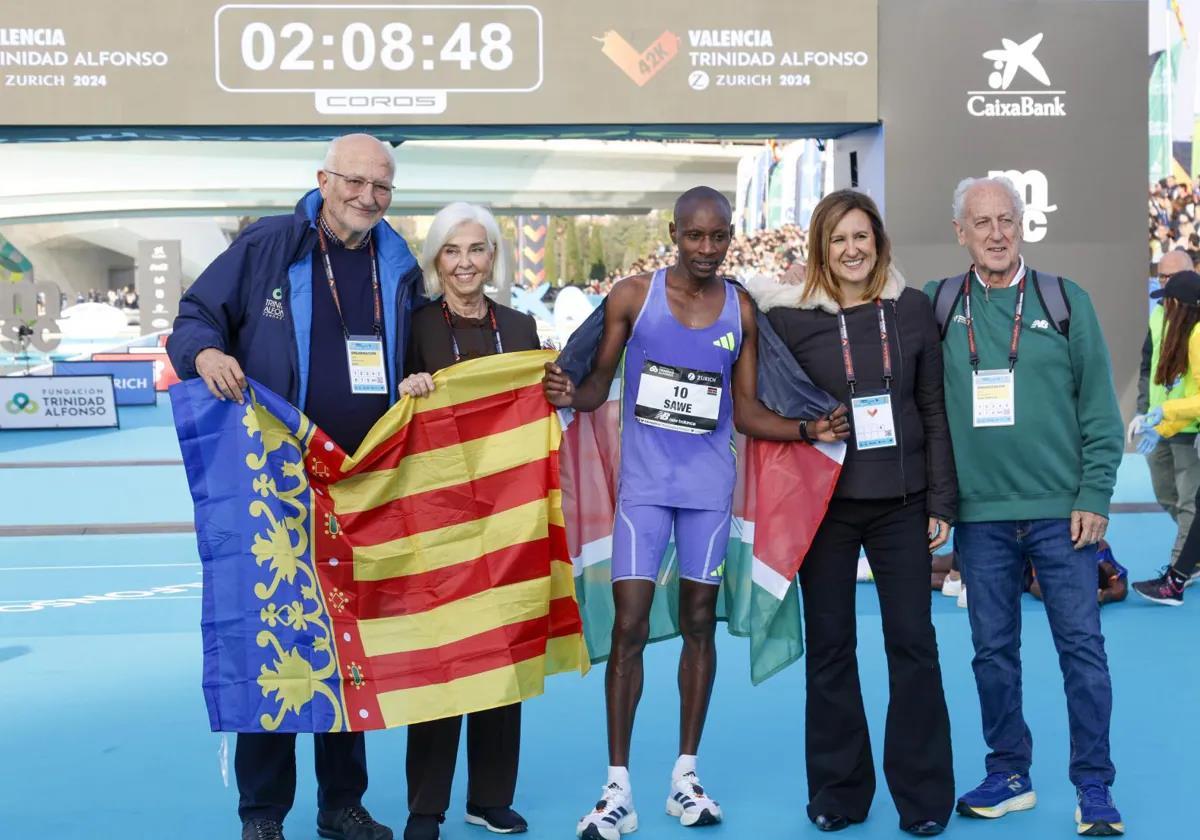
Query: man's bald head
pixel 687 203
pixel 357 147
pixel 1174 262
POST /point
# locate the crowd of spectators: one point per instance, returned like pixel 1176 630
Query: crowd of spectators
pixel 124 298
pixel 769 252
pixel 1173 218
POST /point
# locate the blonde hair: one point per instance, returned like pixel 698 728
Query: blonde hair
pixel 448 220
pixel 827 215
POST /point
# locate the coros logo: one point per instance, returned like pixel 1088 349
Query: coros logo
pixel 1011 61
pixel 21 403
pixel 1035 190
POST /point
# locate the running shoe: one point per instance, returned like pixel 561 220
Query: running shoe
pixel 1097 814
pixel 612 816
pixel 962 597
pixel 952 586
pixel 1164 589
pixel 690 803
pixel 997 795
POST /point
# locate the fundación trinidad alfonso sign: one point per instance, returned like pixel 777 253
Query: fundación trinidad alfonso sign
pixel 207 62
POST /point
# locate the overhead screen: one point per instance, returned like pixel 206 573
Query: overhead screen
pixel 203 62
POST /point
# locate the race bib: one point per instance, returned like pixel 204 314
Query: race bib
pixel 364 354
pixel 679 399
pixel 994 398
pixel 874 425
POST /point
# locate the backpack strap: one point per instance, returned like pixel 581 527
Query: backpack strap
pixel 1053 295
pixel 945 300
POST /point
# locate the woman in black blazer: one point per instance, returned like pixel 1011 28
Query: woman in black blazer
pixel 873 344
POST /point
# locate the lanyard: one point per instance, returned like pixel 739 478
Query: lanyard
pixel 491 308
pixel 848 361
pixel 337 304
pixel 1015 343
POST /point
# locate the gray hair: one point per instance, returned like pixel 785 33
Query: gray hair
pixel 331 151
pixel 1002 181
pixel 448 220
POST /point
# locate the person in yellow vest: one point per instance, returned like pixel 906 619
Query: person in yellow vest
pixel 1174 408
pixel 1173 461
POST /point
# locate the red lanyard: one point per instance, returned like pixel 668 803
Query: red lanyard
pixel 491 308
pixel 848 361
pixel 375 296
pixel 1014 344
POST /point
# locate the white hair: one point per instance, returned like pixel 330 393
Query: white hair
pixel 448 220
pixel 968 184
pixel 331 151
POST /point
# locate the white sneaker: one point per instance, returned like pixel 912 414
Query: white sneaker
pixel 951 587
pixel 690 803
pixel 962 598
pixel 612 816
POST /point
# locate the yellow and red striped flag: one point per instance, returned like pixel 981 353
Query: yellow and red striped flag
pixel 424 576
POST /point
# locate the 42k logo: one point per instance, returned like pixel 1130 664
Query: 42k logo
pixel 640 66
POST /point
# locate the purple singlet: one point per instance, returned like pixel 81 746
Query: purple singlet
pixel 677 445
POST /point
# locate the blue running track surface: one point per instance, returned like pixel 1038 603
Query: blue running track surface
pixel 105 734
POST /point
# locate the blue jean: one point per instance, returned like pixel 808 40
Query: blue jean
pixel 992 556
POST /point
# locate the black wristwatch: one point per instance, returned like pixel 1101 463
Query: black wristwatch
pixel 804 435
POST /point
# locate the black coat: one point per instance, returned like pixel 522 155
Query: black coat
pixel 922 460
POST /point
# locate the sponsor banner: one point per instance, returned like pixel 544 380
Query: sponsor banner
pixel 159 281
pixel 57 402
pixel 210 62
pixel 133 380
pixel 164 371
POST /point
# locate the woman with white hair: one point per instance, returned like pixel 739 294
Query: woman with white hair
pixel 461 254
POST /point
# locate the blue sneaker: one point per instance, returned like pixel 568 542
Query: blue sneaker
pixel 997 795
pixel 1097 814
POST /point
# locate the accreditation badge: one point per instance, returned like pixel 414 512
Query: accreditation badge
pixel 874 423
pixel 994 398
pixel 368 375
pixel 678 398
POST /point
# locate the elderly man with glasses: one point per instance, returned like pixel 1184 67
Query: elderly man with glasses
pixel 286 304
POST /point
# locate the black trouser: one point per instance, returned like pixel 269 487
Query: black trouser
pixel 265 765
pixel 1189 555
pixel 916 752
pixel 493 751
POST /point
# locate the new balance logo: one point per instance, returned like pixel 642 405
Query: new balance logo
pixel 1040 325
pixel 726 341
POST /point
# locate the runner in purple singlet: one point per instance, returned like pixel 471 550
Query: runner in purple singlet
pixel 690 344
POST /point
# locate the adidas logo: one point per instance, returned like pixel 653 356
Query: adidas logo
pixel 726 341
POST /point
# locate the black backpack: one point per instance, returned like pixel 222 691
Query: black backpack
pixel 1050 292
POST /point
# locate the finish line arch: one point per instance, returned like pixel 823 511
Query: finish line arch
pixel 903 85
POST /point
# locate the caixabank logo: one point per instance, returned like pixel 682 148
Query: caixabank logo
pixel 1013 84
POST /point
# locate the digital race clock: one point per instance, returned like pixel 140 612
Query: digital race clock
pixel 378 59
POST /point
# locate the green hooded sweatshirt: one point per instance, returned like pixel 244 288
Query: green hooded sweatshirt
pixel 1063 452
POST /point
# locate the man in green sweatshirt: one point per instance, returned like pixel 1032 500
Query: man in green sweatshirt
pixel 1037 440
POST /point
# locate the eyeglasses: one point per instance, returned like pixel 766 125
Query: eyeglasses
pixel 379 189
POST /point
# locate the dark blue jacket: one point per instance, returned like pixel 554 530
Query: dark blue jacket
pixel 254 302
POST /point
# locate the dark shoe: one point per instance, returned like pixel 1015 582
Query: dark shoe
pixel 925 828
pixel 353 823
pixel 1097 814
pixel 831 822
pixel 259 829
pixel 423 826
pixel 1166 589
pixel 498 820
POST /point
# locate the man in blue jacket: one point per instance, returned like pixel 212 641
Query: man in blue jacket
pixel 316 306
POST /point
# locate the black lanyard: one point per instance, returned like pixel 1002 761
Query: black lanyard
pixel 491 309
pixel 848 361
pixel 337 304
pixel 1015 343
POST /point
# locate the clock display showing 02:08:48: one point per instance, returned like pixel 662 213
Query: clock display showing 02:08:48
pixel 361 47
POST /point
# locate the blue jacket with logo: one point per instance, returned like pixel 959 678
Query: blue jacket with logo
pixel 254 302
